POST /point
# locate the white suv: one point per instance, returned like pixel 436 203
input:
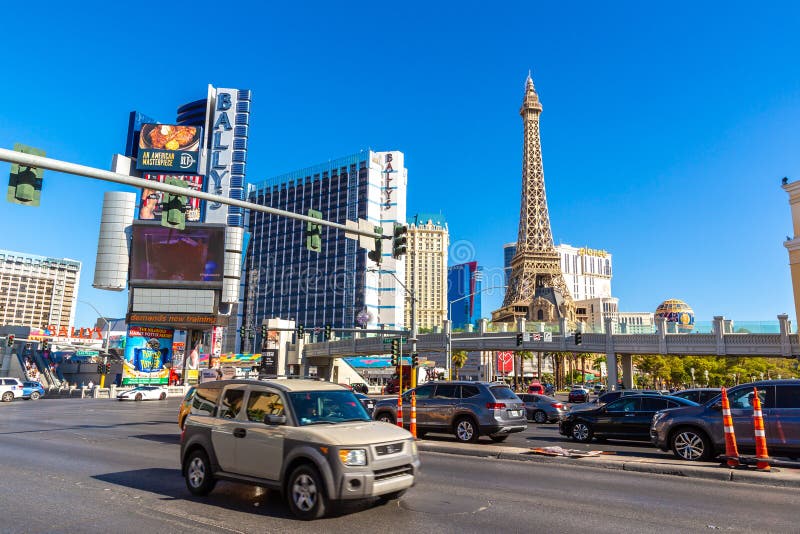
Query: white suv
pixel 10 389
pixel 312 441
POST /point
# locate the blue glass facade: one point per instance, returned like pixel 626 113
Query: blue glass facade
pixel 286 280
pixel 463 294
pixel 508 254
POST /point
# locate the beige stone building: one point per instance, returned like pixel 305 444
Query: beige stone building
pixel 37 291
pixel 426 269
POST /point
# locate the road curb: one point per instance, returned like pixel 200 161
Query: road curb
pixel 724 474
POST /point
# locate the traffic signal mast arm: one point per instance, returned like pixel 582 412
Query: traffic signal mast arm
pixel 30 160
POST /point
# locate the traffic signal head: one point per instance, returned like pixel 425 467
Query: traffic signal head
pixel 377 254
pixel 519 339
pixel 45 345
pixel 395 347
pixel 415 359
pixel 399 241
pixel 173 207
pixel 25 183
pixel 108 368
pixel 101 368
pixel 10 340
pixel 578 338
pixel 314 232
pixel 328 332
pixel 301 330
pixel 263 331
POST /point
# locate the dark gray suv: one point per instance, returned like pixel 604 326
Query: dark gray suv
pixel 696 433
pixel 466 409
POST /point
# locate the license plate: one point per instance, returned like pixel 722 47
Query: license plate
pixel 514 413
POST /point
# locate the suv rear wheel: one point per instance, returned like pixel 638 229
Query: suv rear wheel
pixel 35 395
pixel 199 479
pixel 466 430
pixel 539 417
pixel 691 444
pixel 306 494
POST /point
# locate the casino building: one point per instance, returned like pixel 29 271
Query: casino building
pixel 338 286
pixel 37 291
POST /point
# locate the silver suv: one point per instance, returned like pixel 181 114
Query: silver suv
pixel 10 389
pixel 312 441
pixel 466 409
pixel 696 433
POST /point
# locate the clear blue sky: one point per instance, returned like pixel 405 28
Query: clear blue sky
pixel 665 131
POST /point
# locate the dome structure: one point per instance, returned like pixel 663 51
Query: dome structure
pixel 679 316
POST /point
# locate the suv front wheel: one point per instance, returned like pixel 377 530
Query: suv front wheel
pixel 306 494
pixel 199 479
pixel 691 444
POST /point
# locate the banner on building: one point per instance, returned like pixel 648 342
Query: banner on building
pixel 150 203
pixel 148 355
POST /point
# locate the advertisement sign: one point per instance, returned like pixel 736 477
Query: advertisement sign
pixel 193 256
pixel 228 156
pixel 505 362
pixel 150 202
pixel 168 147
pixel 148 355
pixel 269 363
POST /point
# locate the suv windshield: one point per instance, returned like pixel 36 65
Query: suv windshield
pixel 314 407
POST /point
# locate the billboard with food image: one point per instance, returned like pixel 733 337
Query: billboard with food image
pixel 168 147
pixel 148 355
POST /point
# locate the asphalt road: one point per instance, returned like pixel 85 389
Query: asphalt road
pixel 76 465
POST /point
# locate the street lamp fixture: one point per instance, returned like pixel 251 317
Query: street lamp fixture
pixel 448 363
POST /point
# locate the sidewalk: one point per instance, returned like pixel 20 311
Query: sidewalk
pixel 779 476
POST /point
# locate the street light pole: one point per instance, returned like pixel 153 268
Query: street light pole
pixel 413 339
pixel 450 329
pixel 105 342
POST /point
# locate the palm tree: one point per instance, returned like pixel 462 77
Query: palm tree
pixel 523 355
pixel 459 359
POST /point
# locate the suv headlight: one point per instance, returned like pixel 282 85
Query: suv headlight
pixel 414 450
pixel 353 456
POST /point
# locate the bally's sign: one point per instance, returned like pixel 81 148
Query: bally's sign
pixel 226 164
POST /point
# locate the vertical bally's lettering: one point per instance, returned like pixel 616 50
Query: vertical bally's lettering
pixel 387 184
pixel 220 159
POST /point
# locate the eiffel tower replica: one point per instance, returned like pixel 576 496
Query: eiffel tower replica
pixel 536 288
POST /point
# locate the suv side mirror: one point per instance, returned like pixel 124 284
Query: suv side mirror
pixel 271 419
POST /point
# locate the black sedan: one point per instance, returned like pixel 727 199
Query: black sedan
pixel 626 418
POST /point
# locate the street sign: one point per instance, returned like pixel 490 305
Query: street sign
pixel 317 330
pixel 526 336
pixel 548 337
pixel 388 340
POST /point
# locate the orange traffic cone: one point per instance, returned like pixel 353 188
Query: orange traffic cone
pixel 400 410
pixel 762 457
pixel 414 414
pixel 731 452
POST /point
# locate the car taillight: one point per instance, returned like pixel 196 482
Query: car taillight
pixel 557 405
pixel 495 405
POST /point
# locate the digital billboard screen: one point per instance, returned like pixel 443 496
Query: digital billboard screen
pixel 169 148
pixel 166 256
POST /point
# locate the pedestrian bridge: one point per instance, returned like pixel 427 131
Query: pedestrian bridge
pixel 718 343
